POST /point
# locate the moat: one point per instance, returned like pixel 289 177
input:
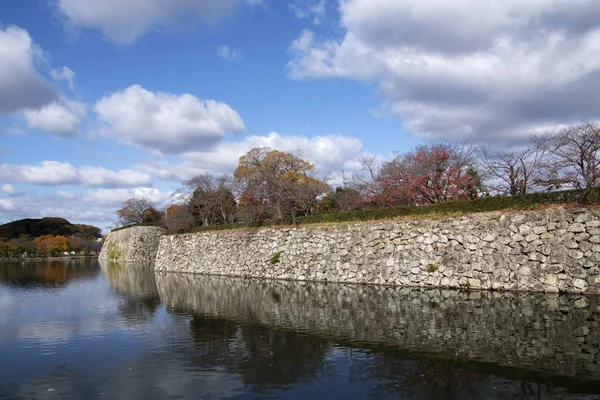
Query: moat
pixel 80 329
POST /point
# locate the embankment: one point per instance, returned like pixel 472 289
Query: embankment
pixel 549 250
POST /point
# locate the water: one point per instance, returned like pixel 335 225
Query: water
pixel 84 331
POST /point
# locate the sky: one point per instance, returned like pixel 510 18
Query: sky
pixel 102 101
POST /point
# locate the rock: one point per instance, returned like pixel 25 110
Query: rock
pixel 576 228
pixel 576 254
pixel 524 271
pixel 524 230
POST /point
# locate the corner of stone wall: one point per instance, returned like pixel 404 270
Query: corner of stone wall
pixel 138 243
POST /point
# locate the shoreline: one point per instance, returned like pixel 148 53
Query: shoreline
pixel 61 258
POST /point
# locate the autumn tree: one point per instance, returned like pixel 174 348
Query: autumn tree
pixel 132 211
pixel 275 184
pixel 178 216
pixel 341 200
pixel 513 173
pixel 574 156
pixel 152 215
pixel 209 198
pixel 51 245
pixel 432 173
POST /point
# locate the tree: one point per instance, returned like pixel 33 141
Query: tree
pixel 574 156
pixel 368 182
pixel 276 184
pixel 210 199
pixel 514 173
pixel 340 200
pixel 132 211
pixel 51 245
pixel 432 173
pixel 152 215
pixel 88 231
pixel 178 216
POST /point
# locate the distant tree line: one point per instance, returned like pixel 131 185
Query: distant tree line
pixel 270 184
pixel 47 237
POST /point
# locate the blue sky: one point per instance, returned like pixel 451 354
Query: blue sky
pixel 103 101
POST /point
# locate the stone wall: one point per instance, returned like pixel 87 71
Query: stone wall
pixel 138 243
pixel 548 333
pixel 547 250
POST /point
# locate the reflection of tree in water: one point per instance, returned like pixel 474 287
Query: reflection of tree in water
pixel 265 357
pixel 47 273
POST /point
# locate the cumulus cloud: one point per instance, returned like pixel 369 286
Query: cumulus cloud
pixel 226 53
pixel 458 68
pixel 166 122
pixel 96 206
pixel 53 173
pixel 21 84
pixel 124 22
pixel 329 154
pixel 61 118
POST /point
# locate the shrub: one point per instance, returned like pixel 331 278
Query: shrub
pixel 496 203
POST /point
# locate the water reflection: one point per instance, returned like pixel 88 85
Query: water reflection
pixel 137 285
pixel 124 332
pixel 537 333
pixel 46 273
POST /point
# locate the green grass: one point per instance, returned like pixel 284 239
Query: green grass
pixel 444 210
pixel 433 267
pixel 276 257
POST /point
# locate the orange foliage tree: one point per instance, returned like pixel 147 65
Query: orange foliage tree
pixel 51 245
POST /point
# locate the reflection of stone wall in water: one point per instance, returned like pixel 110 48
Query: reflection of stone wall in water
pixel 547 250
pixel 134 279
pixel 136 285
pixel 553 334
pixel 138 243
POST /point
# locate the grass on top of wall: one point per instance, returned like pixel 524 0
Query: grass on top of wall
pixel 132 225
pixel 434 211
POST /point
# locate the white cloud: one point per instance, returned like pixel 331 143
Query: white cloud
pixel 54 173
pixel 329 154
pixel 456 68
pixel 6 205
pixel 7 188
pixel 96 207
pixel 166 122
pixel 228 54
pixel 124 22
pixel 65 74
pixel 309 9
pixel 21 85
pixel 62 118
pixel 116 197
